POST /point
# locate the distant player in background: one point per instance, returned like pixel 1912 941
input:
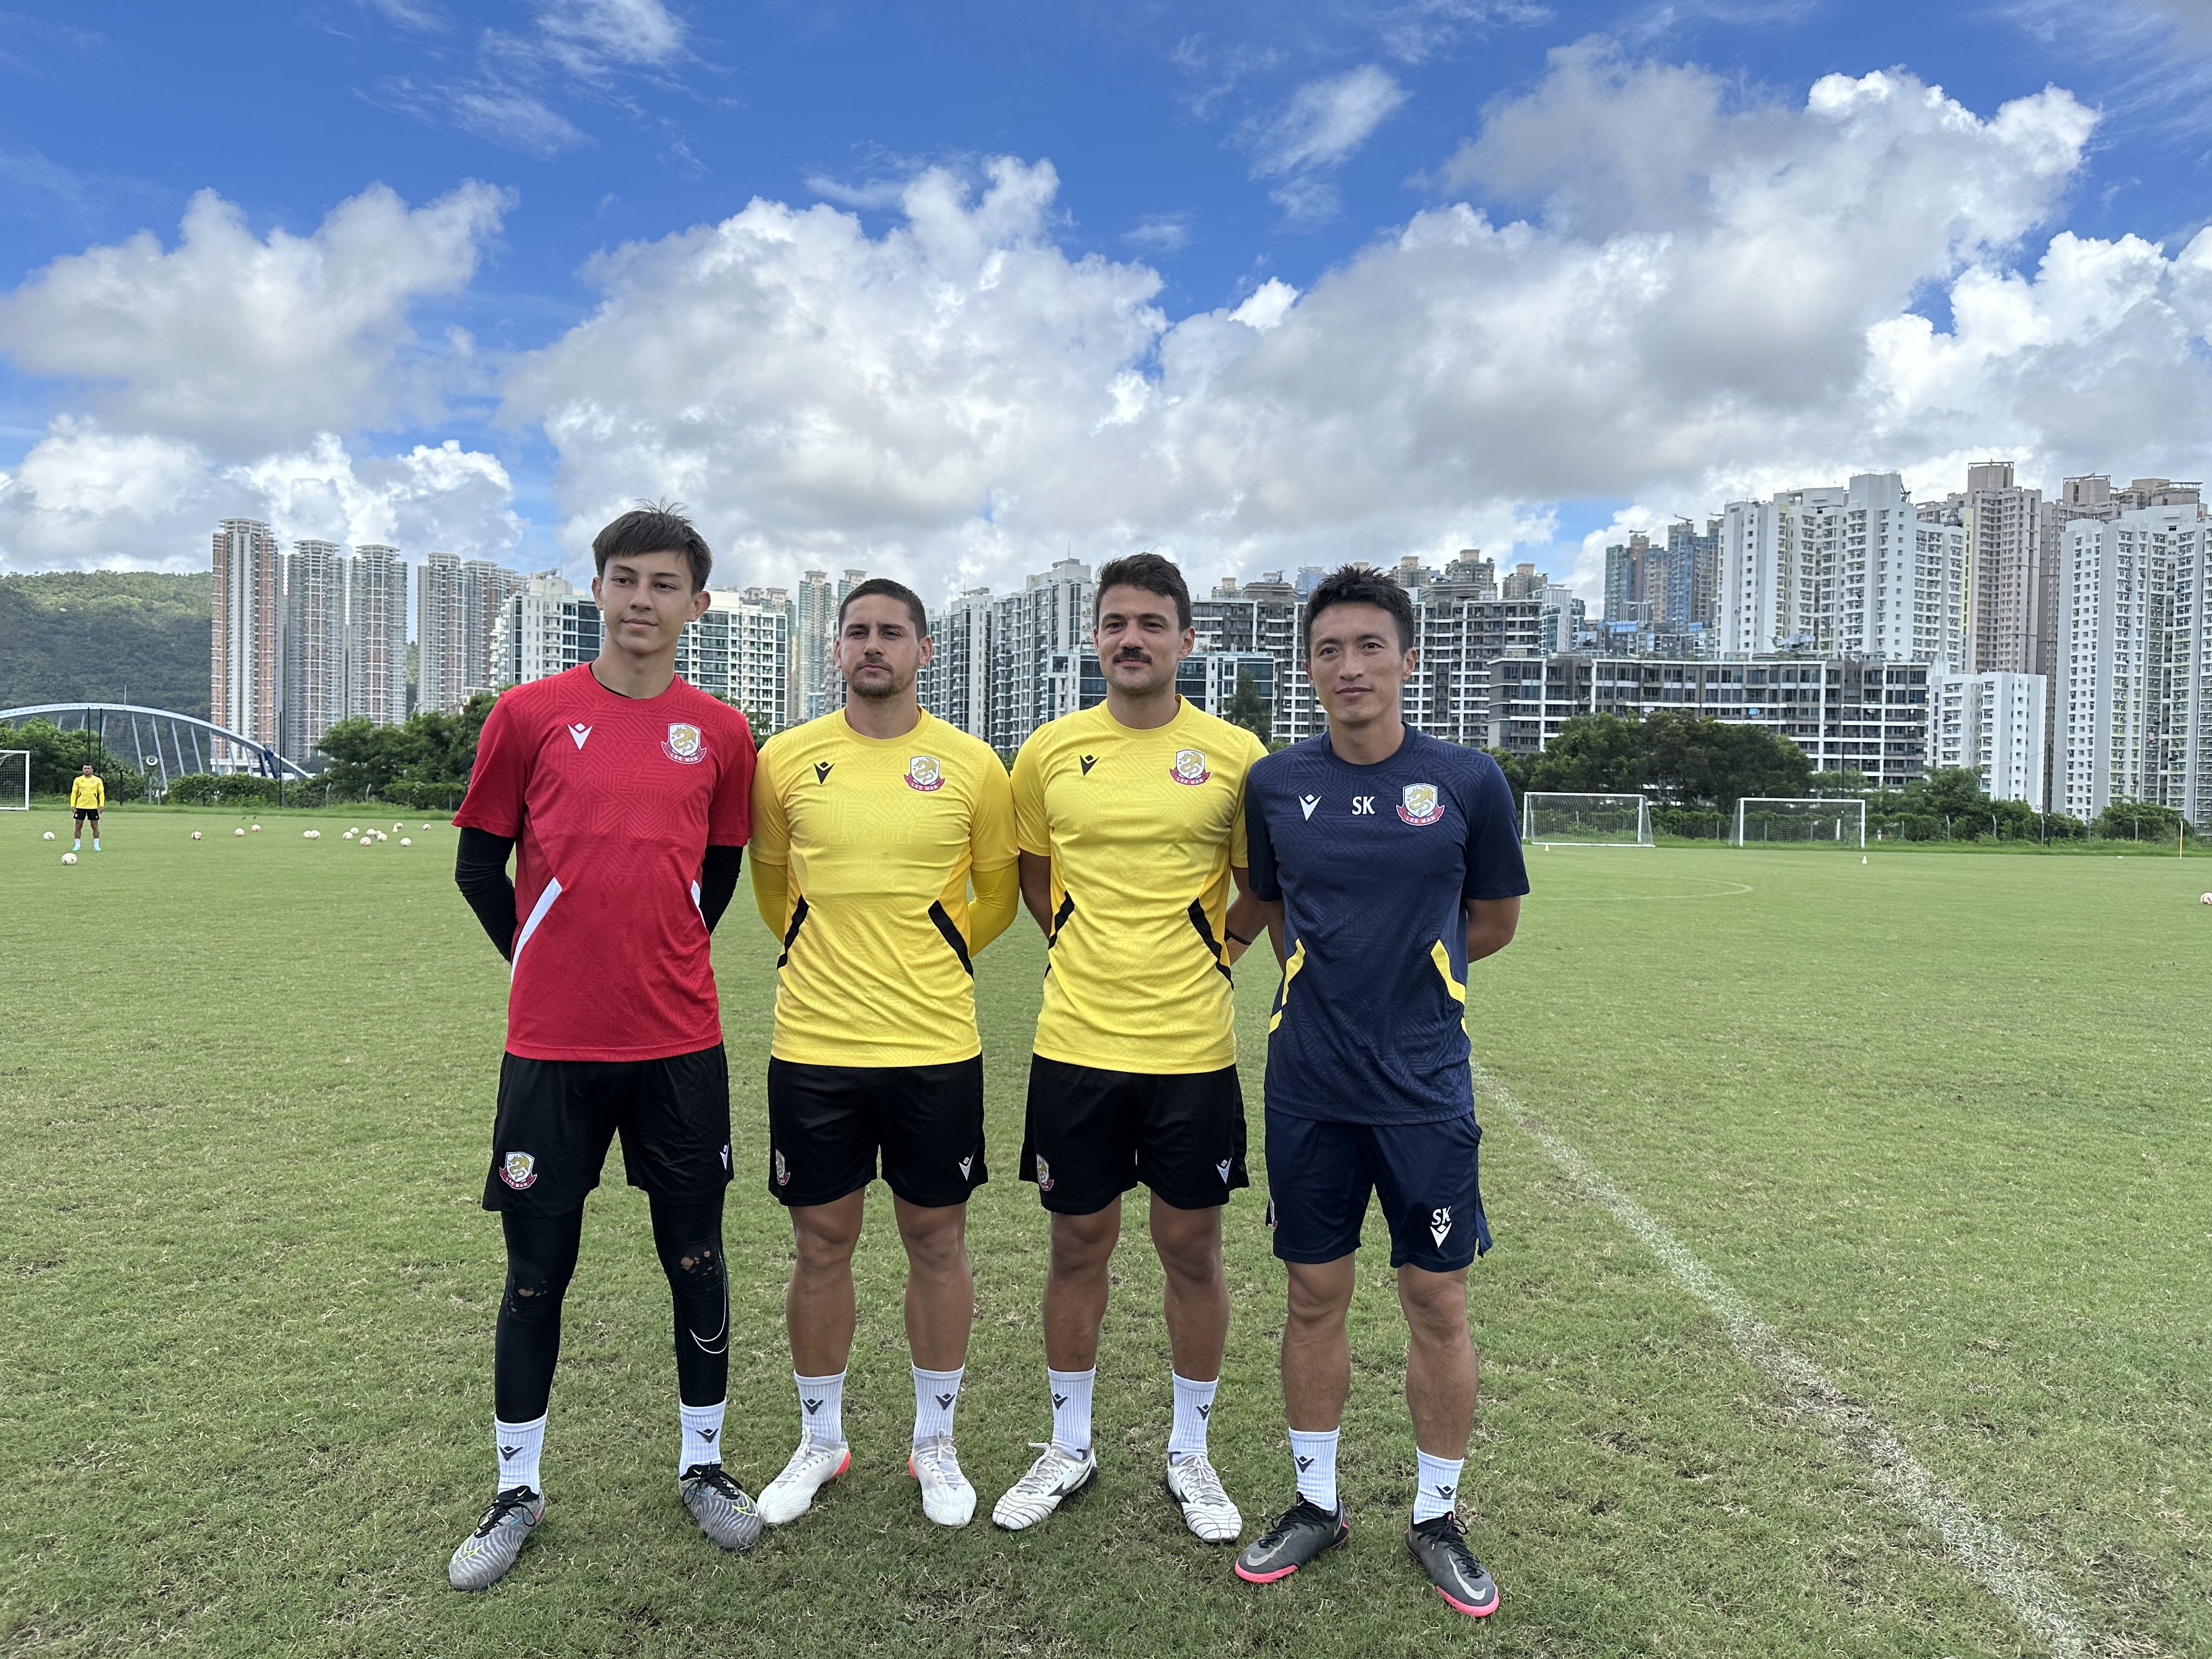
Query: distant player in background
pixel 88 795
pixel 1384 862
pixel 868 825
pixel 627 791
pixel 1131 817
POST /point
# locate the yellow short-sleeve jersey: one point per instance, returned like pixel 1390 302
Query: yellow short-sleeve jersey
pixel 1142 828
pixel 879 835
pixel 88 792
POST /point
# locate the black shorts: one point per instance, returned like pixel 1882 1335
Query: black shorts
pixel 1427 1175
pixel 84 812
pixel 826 1124
pixel 1092 1135
pixel 556 1117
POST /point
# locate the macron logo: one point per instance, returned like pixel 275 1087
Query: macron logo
pixel 1307 802
pixel 579 732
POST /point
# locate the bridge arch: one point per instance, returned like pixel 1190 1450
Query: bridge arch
pixel 190 739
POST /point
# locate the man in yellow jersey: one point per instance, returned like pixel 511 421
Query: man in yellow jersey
pixel 868 826
pixel 88 795
pixel 1130 820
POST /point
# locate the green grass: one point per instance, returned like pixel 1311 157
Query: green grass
pixel 1943 1121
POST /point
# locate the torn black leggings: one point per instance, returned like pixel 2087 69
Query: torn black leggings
pixel 541 1258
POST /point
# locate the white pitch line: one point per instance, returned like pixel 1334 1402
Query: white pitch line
pixel 1982 1547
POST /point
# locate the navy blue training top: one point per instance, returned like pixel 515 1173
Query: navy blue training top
pixel 1375 866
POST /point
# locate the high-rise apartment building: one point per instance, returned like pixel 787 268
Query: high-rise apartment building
pixel 314 687
pixel 1855 572
pixel 1635 590
pixel 546 629
pixel 2135 652
pixel 955 686
pixel 376 634
pixel 1991 724
pixel 813 639
pixel 458 606
pixel 1048 614
pixel 739 650
pixel 2010 585
pixel 247 657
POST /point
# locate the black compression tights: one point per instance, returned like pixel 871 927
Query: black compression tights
pixel 541 1258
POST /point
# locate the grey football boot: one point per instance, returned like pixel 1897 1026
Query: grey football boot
pixel 486 1553
pixel 721 1506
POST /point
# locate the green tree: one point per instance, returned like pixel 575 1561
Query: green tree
pixel 1248 709
pixel 2138 820
pixel 56 756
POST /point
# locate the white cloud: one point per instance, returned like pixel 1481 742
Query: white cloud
pixel 1325 121
pixel 588 35
pixel 87 498
pixel 1267 306
pixel 1164 232
pixel 238 342
pixel 515 120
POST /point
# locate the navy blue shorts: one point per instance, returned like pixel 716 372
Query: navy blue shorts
pixel 1321 1175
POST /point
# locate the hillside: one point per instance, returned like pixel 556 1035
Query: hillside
pixel 107 636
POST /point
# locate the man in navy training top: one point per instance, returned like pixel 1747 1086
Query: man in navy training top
pixel 1383 862
pixel 624 795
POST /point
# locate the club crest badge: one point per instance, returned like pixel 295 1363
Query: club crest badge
pixel 518 1171
pixel 923 772
pixel 783 1169
pixel 1044 1176
pixel 1420 804
pixel 682 744
pixel 1189 767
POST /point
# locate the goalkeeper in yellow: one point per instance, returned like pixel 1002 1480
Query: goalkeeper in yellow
pixel 88 795
pixel 869 826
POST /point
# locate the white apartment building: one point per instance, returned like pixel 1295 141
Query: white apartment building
pixel 458 605
pixel 739 650
pixel 376 634
pixel 956 687
pixel 813 634
pixel 315 694
pixel 1993 724
pixel 247 663
pixel 545 629
pixel 1049 614
pixel 1855 572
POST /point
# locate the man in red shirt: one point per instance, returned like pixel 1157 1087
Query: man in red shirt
pixel 626 792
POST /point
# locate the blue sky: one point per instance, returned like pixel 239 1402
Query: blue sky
pixel 813 414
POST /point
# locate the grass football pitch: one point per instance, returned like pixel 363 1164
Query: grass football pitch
pixel 1941 1121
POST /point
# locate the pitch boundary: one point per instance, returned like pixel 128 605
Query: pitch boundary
pixel 1984 1548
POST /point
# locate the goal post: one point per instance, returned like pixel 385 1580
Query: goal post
pixel 15 780
pixel 1558 818
pixel 1802 820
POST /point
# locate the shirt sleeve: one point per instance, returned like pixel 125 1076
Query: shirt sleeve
pixel 990 841
pixel 1240 852
pixel 1264 881
pixel 771 829
pixel 729 815
pixel 1494 865
pixel 499 778
pixel 1032 830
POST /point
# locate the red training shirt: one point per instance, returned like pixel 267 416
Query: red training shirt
pixel 614 801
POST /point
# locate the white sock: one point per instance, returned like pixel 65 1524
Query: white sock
pixel 1193 1406
pixel 1071 1409
pixel 95 843
pixel 822 1407
pixel 76 846
pixel 517 1445
pixel 702 1434
pixel 1438 1486
pixel 935 1395
pixel 1315 1455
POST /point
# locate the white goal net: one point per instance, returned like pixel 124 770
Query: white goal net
pixel 1819 823
pixel 15 780
pixel 1550 818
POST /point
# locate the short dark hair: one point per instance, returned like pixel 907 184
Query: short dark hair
pixel 1350 585
pixel 655 527
pixel 1149 572
pixel 890 590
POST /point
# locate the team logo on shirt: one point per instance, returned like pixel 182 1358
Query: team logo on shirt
pixel 518 1171
pixel 924 773
pixel 682 744
pixel 1419 804
pixel 1189 767
pixel 1044 1176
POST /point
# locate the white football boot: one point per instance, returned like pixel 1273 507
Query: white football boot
pixel 812 1467
pixel 946 1496
pixel 1206 1510
pixel 1052 1478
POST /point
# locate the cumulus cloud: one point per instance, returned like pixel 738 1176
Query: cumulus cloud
pixel 236 342
pixel 1678 318
pixel 1321 126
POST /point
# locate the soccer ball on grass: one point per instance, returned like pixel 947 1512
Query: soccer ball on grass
pixel 238 832
pixel 196 835
pixel 68 858
pixel 50 834
pixel 406 841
